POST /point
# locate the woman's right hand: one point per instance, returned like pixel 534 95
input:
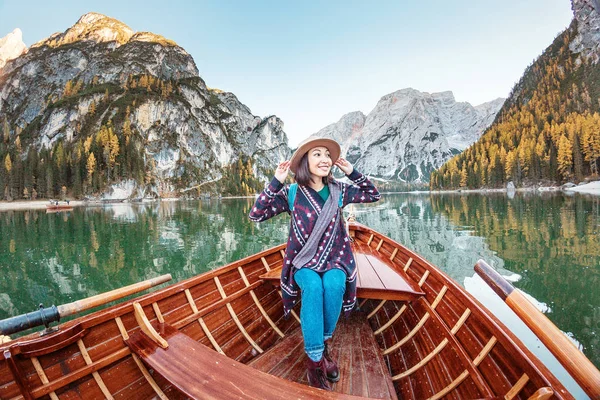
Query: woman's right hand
pixel 282 171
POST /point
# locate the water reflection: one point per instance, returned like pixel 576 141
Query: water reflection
pixel 548 245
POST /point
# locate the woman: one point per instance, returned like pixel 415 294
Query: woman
pixel 318 258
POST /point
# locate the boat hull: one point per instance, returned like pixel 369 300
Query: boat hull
pixel 441 343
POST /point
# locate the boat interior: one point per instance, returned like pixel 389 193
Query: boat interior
pixel 416 335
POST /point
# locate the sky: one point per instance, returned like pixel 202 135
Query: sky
pixel 311 62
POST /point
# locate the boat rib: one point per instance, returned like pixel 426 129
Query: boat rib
pixel 205 329
pixel 235 318
pixel 258 304
pixel 139 363
pixel 95 374
pixel 40 371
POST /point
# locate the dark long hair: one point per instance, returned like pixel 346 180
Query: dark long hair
pixel 303 173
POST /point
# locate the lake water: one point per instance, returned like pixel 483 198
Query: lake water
pixel 548 245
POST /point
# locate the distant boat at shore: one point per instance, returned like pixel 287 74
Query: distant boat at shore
pixel 55 207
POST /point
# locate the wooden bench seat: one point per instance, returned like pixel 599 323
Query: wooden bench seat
pixel 201 373
pixel 376 278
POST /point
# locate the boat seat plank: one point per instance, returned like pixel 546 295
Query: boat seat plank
pixel 201 373
pixel 376 278
pixel 362 368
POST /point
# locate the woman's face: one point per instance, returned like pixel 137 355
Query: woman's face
pixel 319 162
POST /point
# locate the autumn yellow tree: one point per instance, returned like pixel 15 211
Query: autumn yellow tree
pixel 565 157
pixel 7 163
pixel 68 89
pixel 5 131
pixel 91 166
pixel 92 108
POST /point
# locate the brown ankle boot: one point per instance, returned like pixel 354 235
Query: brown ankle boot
pixel 316 374
pixel 331 368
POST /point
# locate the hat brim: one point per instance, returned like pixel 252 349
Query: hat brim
pixel 330 144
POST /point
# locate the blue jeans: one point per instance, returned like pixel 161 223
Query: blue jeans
pixel 321 306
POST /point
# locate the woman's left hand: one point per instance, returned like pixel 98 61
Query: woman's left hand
pixel 344 165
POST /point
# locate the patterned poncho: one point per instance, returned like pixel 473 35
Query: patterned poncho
pixel 334 246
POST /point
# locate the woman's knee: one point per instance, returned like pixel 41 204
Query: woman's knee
pixel 309 282
pixel 334 280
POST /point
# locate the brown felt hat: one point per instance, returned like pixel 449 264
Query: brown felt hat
pixel 311 143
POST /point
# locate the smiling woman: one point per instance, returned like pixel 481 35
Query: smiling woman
pixel 318 262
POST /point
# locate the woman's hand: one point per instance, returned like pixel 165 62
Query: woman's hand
pixel 282 171
pixel 344 165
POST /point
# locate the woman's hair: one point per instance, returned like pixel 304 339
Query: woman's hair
pixel 303 173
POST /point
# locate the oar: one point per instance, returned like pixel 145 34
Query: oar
pixel 45 316
pixel 574 361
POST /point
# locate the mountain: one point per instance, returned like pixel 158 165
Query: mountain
pixel 11 46
pixel 100 104
pixel 410 133
pixel 547 130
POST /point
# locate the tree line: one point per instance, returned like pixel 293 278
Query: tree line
pixel 96 157
pixel 547 131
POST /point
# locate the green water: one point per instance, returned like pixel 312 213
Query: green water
pixel 549 244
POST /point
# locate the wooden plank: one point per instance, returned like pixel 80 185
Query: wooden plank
pixel 145 326
pixel 235 318
pixel 368 277
pixel 200 373
pixel 485 351
pixel 265 263
pixel 407 265
pixel 381 303
pixel 370 239
pixel 96 375
pixel 17 374
pixel 544 393
pixel 409 336
pixel 139 364
pixel 379 245
pixel 514 391
pixel 391 320
pixel 80 373
pixel 461 321
pixel 203 325
pixel 451 386
pixel 377 376
pixel 40 371
pixel 424 278
pixel 260 307
pixel 424 361
pixel 394 254
pixel 159 315
pixel 215 305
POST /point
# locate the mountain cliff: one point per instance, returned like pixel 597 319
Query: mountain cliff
pixel 11 46
pixel 410 133
pixel 100 104
pixel 547 130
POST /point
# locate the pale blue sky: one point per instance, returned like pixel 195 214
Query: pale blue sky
pixel 310 62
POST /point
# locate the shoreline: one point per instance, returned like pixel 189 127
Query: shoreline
pixel 592 188
pixel 34 204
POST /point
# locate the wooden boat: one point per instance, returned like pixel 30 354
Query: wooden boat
pixel 58 207
pixel 222 335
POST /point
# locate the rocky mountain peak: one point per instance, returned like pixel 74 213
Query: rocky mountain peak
pixel 11 46
pixel 100 82
pixel 587 42
pixel 91 26
pixel 409 133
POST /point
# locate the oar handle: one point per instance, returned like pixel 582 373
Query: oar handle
pixel 573 360
pixel 103 298
pixel 45 316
